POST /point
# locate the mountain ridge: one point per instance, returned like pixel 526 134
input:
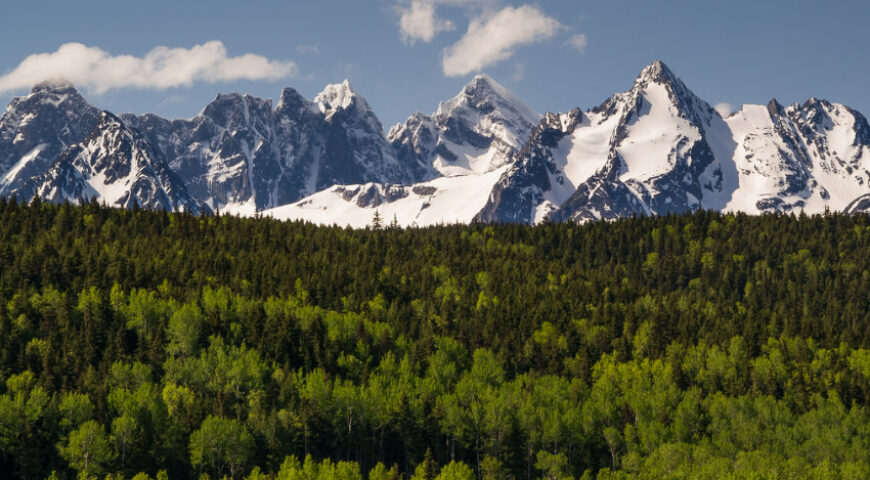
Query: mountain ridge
pixel 483 155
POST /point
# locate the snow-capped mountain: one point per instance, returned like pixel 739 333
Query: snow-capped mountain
pixel 241 155
pixel 114 165
pixel 802 157
pixel 652 150
pixel 541 178
pixel 475 132
pixel 455 199
pixel 658 148
pixel 482 156
pixel 35 129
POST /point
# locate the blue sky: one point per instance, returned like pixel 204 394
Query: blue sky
pixel 407 55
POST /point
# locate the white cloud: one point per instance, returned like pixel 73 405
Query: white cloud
pixel 494 38
pixel 161 68
pixel 724 109
pixel 579 42
pixel 418 21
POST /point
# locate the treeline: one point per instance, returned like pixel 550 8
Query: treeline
pixel 173 346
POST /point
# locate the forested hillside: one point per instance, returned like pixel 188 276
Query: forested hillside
pixel 175 346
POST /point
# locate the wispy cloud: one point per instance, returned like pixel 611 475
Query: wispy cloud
pixel 160 68
pixel 494 31
pixel 579 42
pixel 419 19
pixel 419 22
pixel 724 109
pixel 492 39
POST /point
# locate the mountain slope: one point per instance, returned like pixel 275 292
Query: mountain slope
pixel 668 151
pixel 658 148
pixel 114 165
pixel 654 149
pixel 482 156
pixel 36 128
pixel 443 200
pixel 241 155
pixel 459 153
pixel 476 132
pixel 807 157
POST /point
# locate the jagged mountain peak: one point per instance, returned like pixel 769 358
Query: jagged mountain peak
pixel 338 96
pixel 487 97
pixel 775 108
pixel 477 131
pixel 56 86
pixel 234 109
pixel 115 164
pixel 655 83
pixel 658 83
pixel 813 101
pixel 108 119
pixel 657 72
pixel 292 100
pixel 52 95
pixel 482 85
pixel 36 128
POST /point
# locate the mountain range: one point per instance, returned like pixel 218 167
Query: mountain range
pixel 481 156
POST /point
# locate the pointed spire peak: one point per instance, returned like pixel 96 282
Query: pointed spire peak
pixel 483 93
pixel 336 96
pixel 483 85
pixel 775 108
pixel 482 79
pixel 656 72
pixel 344 87
pixel 291 98
pixel 485 96
pixel 657 66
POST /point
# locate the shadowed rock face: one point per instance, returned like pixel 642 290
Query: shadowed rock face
pixel 521 189
pixel 687 158
pixel 654 149
pixel 240 150
pixel 484 120
pixel 115 165
pixel 35 129
pixel 614 188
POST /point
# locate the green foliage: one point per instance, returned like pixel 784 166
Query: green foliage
pixel 456 471
pixel 171 346
pixel 88 450
pixel 221 445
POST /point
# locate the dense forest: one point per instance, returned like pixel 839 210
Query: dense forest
pixel 141 344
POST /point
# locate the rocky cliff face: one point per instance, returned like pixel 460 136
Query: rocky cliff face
pixel 35 129
pixel 483 155
pixel 475 132
pixel 242 155
pixel 114 165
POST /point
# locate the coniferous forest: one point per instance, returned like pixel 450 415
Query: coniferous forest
pixel 141 344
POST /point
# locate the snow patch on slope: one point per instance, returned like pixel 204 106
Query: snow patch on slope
pixel 23 162
pixel 445 200
pixel 647 150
